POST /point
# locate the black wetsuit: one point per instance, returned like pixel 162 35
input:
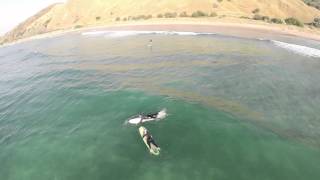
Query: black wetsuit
pixel 154 115
pixel 150 140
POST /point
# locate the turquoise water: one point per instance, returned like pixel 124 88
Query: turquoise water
pixel 238 108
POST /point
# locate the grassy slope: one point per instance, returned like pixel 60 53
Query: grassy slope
pixel 237 8
pixel 85 12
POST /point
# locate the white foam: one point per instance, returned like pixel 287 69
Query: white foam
pixel 298 49
pixel 92 33
pixel 134 33
pixel 162 114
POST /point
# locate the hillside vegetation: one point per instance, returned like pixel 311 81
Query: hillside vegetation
pixel 83 13
pixel 313 3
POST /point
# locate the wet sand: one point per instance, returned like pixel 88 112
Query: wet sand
pixel 229 29
pixel 233 27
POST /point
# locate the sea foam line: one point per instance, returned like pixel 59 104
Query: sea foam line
pixel 298 49
pixel 133 33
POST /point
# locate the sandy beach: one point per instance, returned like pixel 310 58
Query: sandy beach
pixel 227 26
pixel 230 27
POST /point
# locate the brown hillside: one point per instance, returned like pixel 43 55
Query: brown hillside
pixel 79 13
pixel 25 29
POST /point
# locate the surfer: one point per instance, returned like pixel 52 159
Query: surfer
pixel 149 139
pixel 150 44
pixel 152 115
pixel 142 118
pixel 148 116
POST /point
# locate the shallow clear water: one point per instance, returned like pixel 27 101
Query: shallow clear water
pixel 238 108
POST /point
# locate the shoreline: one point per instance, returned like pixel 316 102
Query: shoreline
pixel 243 29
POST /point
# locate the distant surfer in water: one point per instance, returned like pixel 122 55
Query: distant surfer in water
pixel 150 44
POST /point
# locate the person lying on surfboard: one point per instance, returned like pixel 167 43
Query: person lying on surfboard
pixel 149 139
pixel 148 116
pixel 142 118
pixel 152 115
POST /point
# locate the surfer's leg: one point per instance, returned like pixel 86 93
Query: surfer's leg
pixel 148 142
pixel 154 143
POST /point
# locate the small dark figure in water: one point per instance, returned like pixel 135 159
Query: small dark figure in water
pixel 150 44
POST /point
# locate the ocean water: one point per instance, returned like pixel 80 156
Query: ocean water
pixel 238 108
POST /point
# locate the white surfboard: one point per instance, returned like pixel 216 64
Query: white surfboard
pixel 153 149
pixel 142 119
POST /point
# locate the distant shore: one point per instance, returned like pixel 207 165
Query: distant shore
pixel 230 27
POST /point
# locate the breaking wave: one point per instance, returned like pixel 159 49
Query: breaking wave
pixel 298 49
pixel 134 33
